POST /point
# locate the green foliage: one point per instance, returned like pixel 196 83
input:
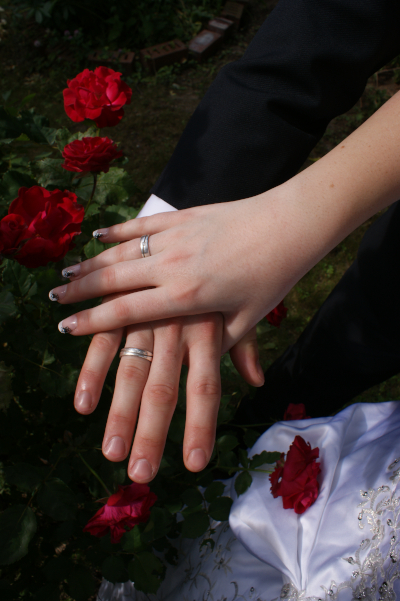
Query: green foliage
pixel 55 471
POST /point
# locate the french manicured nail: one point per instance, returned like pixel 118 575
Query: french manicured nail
pixel 115 449
pixel 197 460
pixel 141 471
pixel 83 402
pixel 100 233
pixel 71 272
pixel 58 293
pixel 66 326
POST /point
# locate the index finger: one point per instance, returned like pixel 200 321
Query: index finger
pixel 142 226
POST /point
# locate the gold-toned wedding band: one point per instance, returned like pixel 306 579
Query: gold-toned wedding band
pixel 144 247
pixel 136 352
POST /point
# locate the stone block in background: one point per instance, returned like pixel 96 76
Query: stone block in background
pixel 233 11
pixel 221 25
pixel 118 60
pixel 205 44
pixel 162 55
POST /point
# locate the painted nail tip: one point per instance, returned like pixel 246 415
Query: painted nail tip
pixel 67 274
pixel 64 329
pixel 97 234
pixel 53 296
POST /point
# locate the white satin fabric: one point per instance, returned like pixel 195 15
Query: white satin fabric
pixel 155 205
pixel 344 547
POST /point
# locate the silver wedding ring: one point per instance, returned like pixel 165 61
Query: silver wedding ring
pixel 144 247
pixel 136 352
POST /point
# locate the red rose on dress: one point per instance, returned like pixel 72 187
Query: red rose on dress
pixel 296 482
pixel 124 510
pixel 295 411
pixel 98 95
pixel 276 316
pixel 90 154
pixel 47 222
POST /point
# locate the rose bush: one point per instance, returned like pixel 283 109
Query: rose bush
pixel 99 95
pixel 90 154
pixel 44 224
pixel 295 479
pixel 122 512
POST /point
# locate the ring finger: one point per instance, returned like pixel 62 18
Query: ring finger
pixel 131 378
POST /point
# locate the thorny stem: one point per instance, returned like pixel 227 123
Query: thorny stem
pixel 95 474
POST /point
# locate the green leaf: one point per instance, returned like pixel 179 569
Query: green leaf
pixel 243 482
pixel 243 458
pixel 9 126
pixel 227 443
pixel 192 497
pixel 59 385
pixel 114 187
pixel 216 489
pixel 195 524
pixel 12 181
pixel 250 437
pixel 24 476
pixel 19 277
pixel 27 99
pixel 81 584
pixel 177 428
pixel 219 509
pixel 113 569
pixel 51 175
pixel 7 305
pixel 132 541
pixel 57 500
pixel 145 572
pixel 158 526
pixel 93 248
pixel 63 136
pixel 17 528
pixel 58 569
pixel 263 458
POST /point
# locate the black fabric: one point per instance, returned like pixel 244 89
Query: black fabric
pixel 263 114
pixel 353 341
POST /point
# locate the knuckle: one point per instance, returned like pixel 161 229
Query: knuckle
pixel 103 343
pixel 207 388
pixel 122 310
pixel 131 369
pixel 108 277
pixel 187 295
pixel 117 418
pixel 162 393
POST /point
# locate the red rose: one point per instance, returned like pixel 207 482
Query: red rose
pixel 296 482
pixel 295 411
pixel 98 95
pixel 90 154
pixel 124 510
pixel 51 220
pixel 13 230
pixel 276 315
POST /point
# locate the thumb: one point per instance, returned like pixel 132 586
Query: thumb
pixel 244 355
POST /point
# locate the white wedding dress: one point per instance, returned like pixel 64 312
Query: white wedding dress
pixel 345 547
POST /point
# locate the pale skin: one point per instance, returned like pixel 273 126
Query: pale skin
pixel 241 258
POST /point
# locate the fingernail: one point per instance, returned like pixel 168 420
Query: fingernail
pixel 66 326
pixel 58 293
pixel 141 471
pixel 100 233
pixel 260 372
pixel 71 272
pixel 115 448
pixel 83 401
pixel 197 460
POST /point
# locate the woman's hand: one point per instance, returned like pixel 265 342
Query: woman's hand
pixel 223 258
pixel 146 393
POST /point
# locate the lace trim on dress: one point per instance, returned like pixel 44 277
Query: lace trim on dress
pixel 375 571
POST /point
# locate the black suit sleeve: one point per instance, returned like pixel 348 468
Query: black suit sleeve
pixel 263 114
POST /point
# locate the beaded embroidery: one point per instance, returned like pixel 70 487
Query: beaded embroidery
pixel 373 573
